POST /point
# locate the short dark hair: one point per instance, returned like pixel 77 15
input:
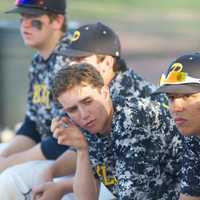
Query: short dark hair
pixel 75 75
pixel 53 16
pixel 119 63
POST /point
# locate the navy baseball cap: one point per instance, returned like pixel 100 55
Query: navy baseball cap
pixel 39 7
pixel 182 76
pixel 93 39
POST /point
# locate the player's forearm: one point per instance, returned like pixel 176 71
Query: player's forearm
pixel 64 165
pixel 21 157
pixel 18 144
pixel 66 186
pixel 85 185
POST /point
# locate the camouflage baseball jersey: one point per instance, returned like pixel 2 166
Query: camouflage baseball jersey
pixel 127 84
pixel 141 158
pixel 190 183
pixel 41 107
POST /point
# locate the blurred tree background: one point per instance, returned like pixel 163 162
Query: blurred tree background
pixel 152 33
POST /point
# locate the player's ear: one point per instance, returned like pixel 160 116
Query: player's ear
pixel 58 22
pixel 105 92
pixel 108 62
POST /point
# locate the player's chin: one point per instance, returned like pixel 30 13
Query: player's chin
pixel 186 131
pixel 93 130
pixel 30 44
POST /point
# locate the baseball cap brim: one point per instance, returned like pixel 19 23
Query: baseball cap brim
pixel 28 11
pixel 178 89
pixel 75 53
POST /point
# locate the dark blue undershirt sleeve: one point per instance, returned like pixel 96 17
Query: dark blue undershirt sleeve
pixel 28 129
pixel 51 149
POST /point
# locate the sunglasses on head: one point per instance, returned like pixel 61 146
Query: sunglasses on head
pixel 33 3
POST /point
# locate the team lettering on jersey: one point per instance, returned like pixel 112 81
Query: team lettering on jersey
pixel 102 173
pixel 41 94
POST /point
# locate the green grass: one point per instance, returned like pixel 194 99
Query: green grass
pixel 119 8
pixel 143 4
pixel 125 8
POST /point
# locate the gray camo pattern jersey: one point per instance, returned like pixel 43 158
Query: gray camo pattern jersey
pixel 141 158
pixel 190 184
pixel 41 107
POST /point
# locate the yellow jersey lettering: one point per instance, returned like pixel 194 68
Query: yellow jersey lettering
pixel 102 173
pixel 36 93
pixel 41 94
pixel 45 96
